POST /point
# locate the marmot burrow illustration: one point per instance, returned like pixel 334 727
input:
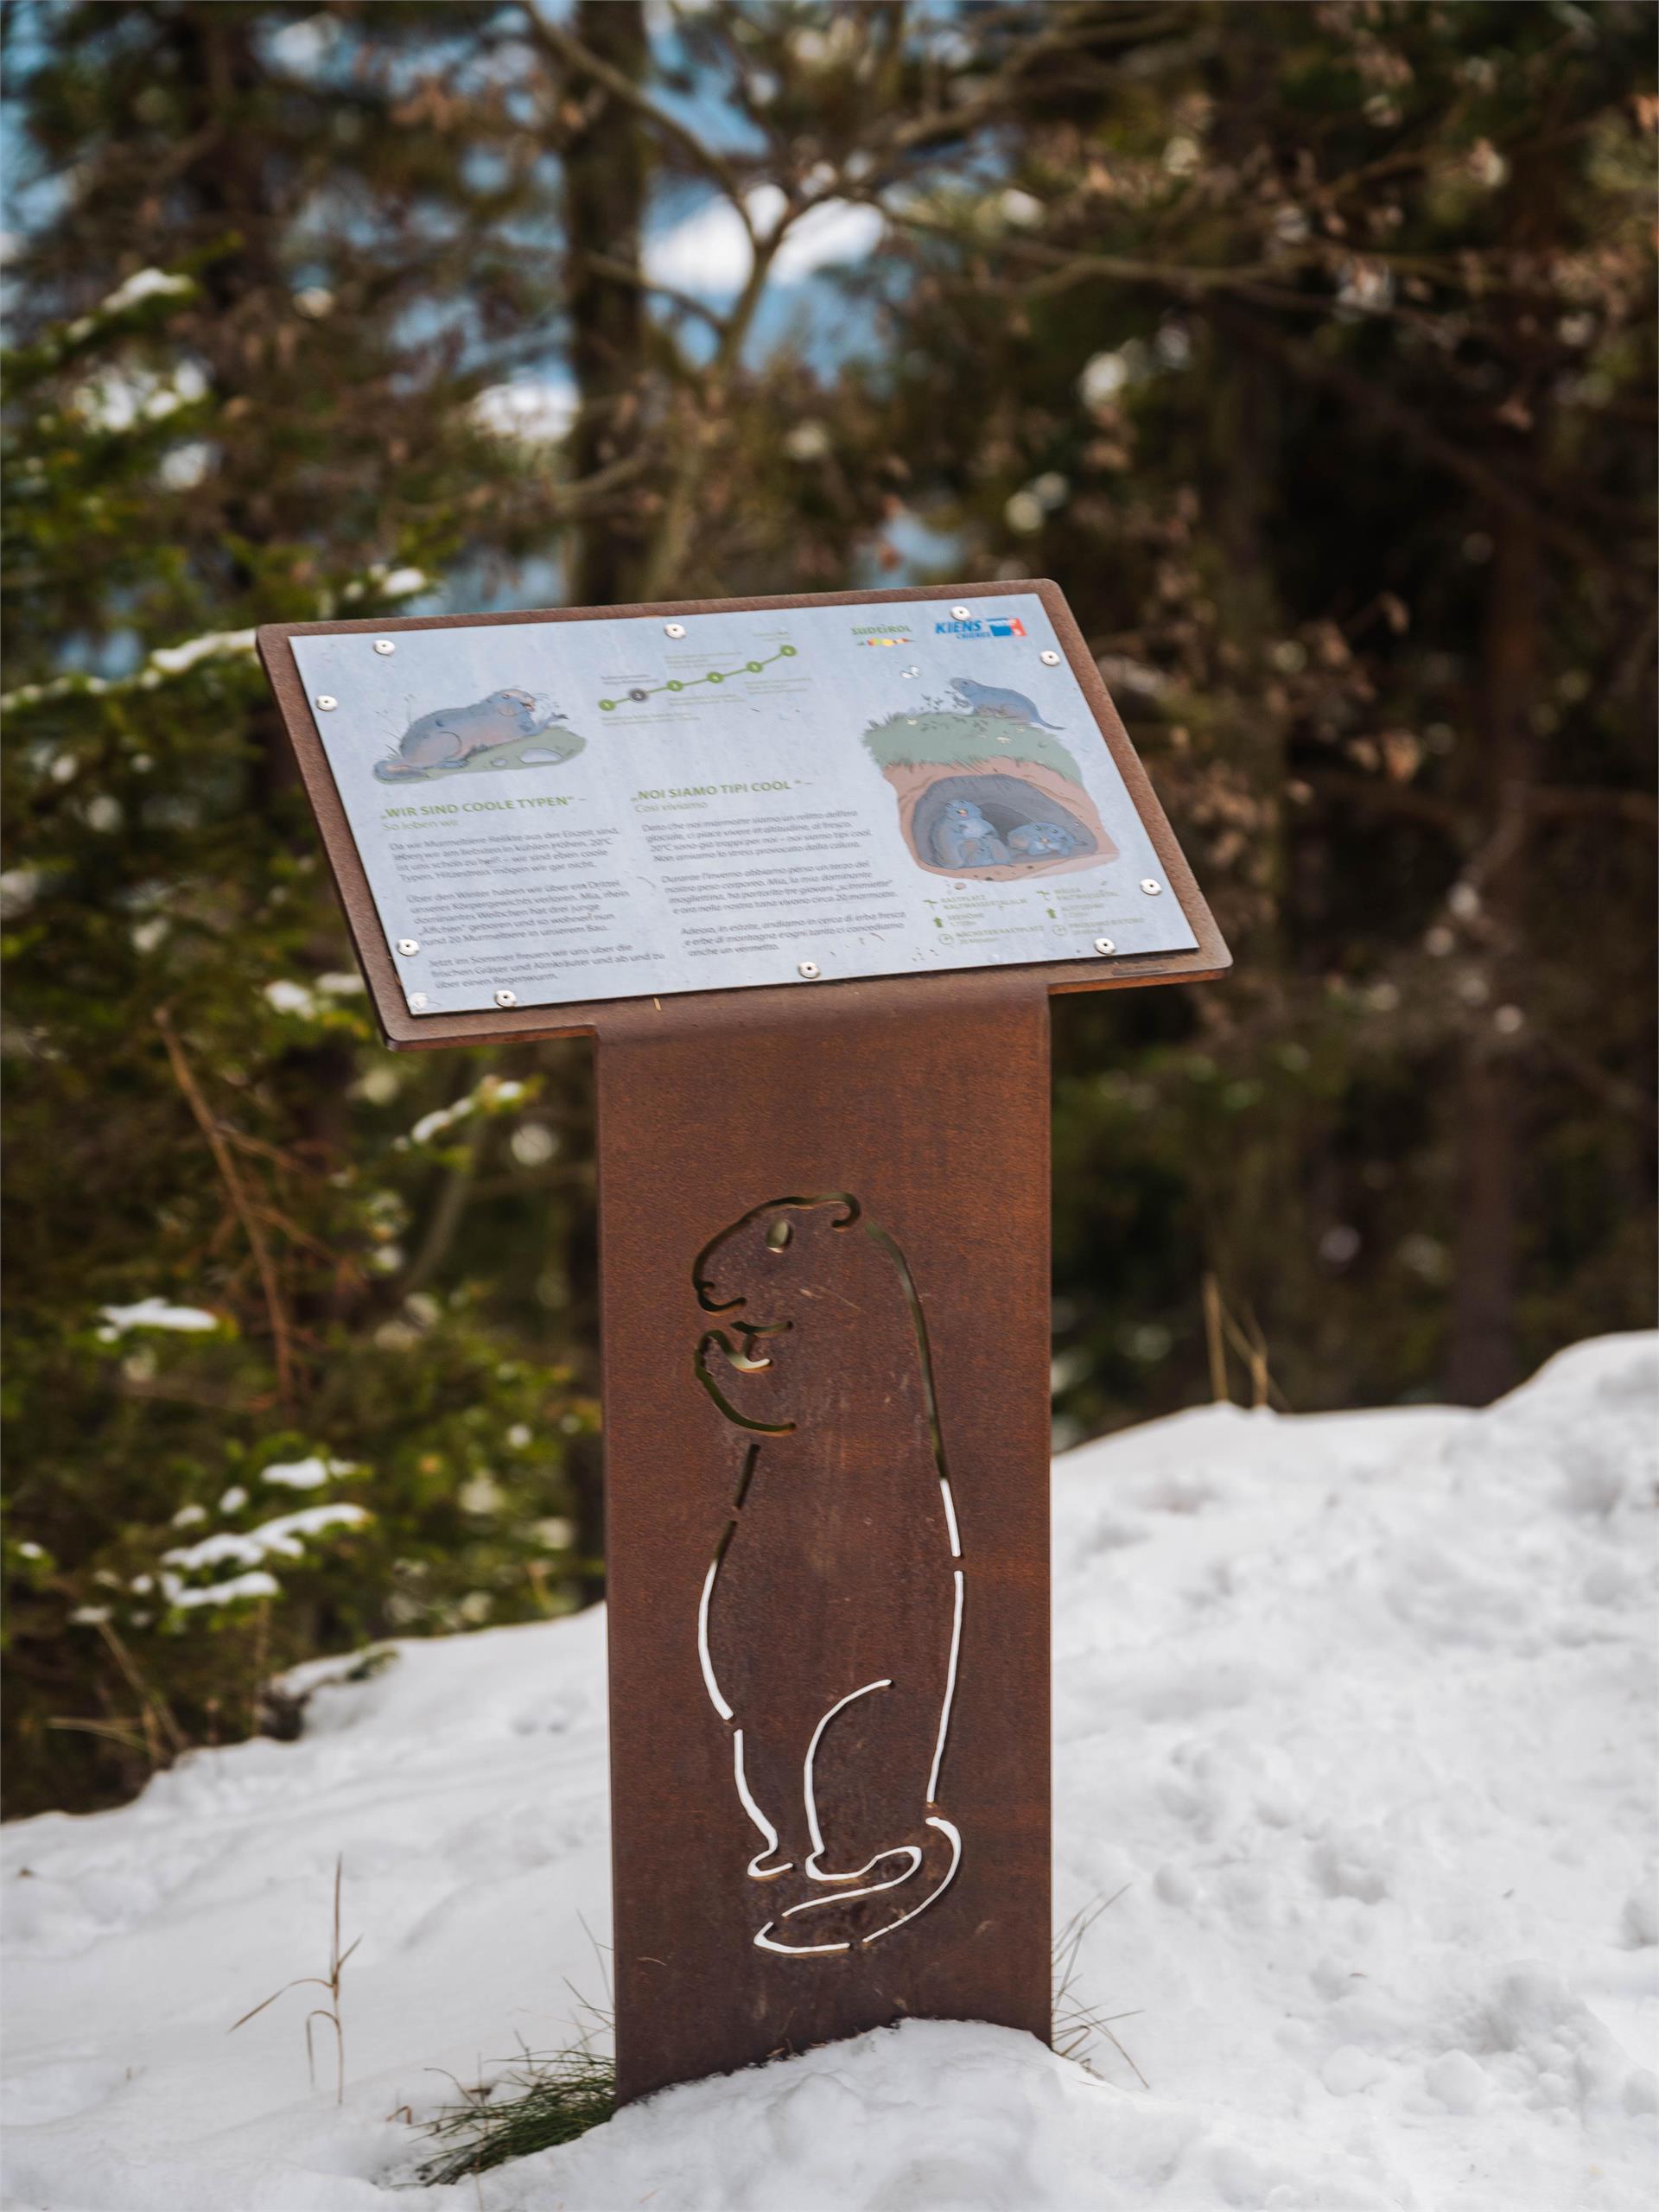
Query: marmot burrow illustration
pixel 829 1623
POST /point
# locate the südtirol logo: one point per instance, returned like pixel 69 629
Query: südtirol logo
pixel 868 636
pixel 990 626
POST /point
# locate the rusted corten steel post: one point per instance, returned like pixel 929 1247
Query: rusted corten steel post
pixel 823 1214
pixel 895 1140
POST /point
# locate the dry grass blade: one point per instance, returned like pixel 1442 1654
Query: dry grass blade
pixel 331 2011
pixel 129 1734
pixel 156 1711
pixel 1079 2026
pixel 254 2010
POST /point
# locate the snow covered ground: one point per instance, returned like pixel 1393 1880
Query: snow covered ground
pixel 1357 1712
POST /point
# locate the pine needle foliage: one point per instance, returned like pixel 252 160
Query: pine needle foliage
pixel 1310 348
pixel 266 1396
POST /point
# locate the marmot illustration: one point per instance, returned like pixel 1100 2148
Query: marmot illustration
pixel 450 737
pixel 830 1618
pixel 963 838
pixel 1036 841
pixel 994 699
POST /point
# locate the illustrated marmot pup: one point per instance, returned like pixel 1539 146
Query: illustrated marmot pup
pixel 963 838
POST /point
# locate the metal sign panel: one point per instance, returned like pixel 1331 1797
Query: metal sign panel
pixel 551 811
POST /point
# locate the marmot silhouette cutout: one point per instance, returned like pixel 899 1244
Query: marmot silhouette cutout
pixel 830 1618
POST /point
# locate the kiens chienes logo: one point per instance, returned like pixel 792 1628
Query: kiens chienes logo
pixel 993 626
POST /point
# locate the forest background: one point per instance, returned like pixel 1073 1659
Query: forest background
pixel 1310 347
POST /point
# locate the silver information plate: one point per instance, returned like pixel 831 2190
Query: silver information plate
pixel 617 807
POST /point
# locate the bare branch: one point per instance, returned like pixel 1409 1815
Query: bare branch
pixel 1561 802
pixel 245 1212
pixel 556 41
pixel 622 273
pixel 1370 398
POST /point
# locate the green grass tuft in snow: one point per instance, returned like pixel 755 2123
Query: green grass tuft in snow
pixel 560 2095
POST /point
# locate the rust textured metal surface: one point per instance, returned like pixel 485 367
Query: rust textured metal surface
pixel 407 1031
pixel 918 1110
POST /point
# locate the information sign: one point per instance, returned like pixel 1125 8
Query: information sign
pixel 554 812
pixel 810 871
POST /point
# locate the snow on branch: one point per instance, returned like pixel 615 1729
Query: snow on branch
pixel 153 1313
pixel 285 1537
pixel 132 291
pixel 169 661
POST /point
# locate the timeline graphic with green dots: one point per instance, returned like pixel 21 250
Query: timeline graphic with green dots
pixel 640 692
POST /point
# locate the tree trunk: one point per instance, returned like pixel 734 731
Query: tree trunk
pixel 605 170
pixel 1482 1360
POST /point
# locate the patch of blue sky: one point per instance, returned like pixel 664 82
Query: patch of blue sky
pixel 705 254
pixel 112 655
pixel 491 586
pixel 907 549
pixel 684 89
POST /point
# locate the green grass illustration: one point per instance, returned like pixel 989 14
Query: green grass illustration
pixel 930 740
pixel 543 748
